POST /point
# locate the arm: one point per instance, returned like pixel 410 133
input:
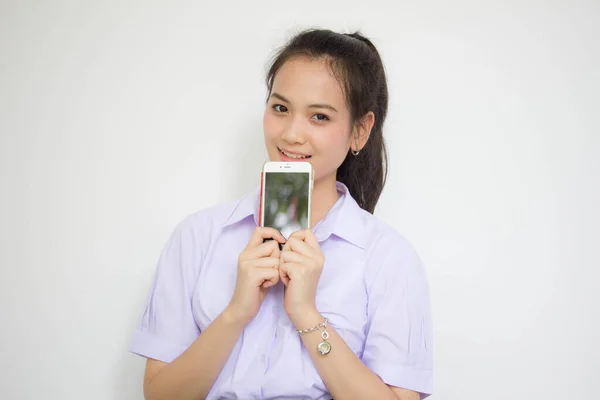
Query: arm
pixel 189 371
pixel 344 374
pixel 387 366
pixel 185 377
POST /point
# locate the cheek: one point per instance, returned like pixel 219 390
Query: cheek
pixel 269 125
pixel 333 147
pixel 336 140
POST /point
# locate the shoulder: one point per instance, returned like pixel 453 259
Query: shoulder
pixel 389 251
pixel 382 238
pixel 203 224
pixel 209 218
pixel 381 242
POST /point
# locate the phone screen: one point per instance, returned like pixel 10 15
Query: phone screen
pixel 286 201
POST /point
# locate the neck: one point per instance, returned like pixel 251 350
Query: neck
pixel 324 196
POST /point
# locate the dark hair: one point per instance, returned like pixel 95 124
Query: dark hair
pixel 356 63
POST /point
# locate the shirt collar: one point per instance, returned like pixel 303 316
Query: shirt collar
pixel 343 220
pixel 247 206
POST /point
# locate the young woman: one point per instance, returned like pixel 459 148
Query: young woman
pixel 231 316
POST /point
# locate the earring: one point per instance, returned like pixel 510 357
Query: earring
pixel 355 152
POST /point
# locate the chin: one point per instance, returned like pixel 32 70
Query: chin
pixel 331 177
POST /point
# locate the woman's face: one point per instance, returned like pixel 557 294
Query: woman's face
pixel 307 118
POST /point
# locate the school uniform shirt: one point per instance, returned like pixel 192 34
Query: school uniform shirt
pixel 373 289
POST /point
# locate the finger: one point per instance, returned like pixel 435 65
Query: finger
pixel 261 233
pixel 265 262
pixel 294 257
pixel 262 275
pixel 280 244
pixel 283 274
pixel 270 283
pixel 299 246
pixel 289 270
pixel 307 236
pixel 266 249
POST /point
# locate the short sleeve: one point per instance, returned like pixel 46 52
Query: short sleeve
pixel 398 345
pixel 167 327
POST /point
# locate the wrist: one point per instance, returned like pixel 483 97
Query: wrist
pixel 234 319
pixel 307 318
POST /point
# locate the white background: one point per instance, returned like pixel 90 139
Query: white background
pixel 118 119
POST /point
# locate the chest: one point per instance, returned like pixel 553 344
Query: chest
pixel 341 294
pixel 269 357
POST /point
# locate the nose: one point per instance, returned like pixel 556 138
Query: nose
pixel 294 131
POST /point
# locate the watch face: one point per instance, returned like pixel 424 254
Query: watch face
pixel 324 348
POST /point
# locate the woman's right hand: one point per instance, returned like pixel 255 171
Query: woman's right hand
pixel 258 270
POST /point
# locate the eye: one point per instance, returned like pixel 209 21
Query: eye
pixel 321 117
pixel 280 108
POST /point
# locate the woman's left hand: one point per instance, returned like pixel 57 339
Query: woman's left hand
pixel 301 263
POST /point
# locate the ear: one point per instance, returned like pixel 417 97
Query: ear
pixel 362 131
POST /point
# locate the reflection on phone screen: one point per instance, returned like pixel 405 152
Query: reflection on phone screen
pixel 286 201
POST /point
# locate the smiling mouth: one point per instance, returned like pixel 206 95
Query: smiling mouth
pixel 293 156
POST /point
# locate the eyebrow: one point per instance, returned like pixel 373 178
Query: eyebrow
pixel 327 106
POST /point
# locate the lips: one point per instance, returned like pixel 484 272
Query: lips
pixel 293 156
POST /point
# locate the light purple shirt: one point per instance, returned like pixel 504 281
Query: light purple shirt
pixel 373 289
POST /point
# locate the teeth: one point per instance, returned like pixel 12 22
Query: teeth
pixel 293 155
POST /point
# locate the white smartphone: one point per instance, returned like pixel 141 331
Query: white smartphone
pixel 285 200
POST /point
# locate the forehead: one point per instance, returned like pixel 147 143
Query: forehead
pixel 308 80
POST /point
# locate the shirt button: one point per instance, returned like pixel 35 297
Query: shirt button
pixel 275 310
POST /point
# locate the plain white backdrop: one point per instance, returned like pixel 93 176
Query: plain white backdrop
pixel 119 118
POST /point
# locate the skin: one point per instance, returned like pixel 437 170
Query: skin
pixel 292 122
pixel 306 114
